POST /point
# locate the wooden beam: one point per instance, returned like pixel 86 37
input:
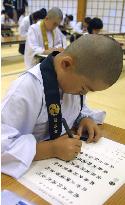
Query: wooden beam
pixel 81 9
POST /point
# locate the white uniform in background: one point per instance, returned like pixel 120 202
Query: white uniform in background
pixel 35 45
pixel 62 39
pixel 25 120
pixel 77 28
pixel 20 20
pixel 2 19
pixel 72 24
pixel 24 26
pixel 6 21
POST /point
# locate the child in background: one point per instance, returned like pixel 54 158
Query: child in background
pixel 95 26
pixel 6 24
pixel 43 37
pixel 26 21
pixel 81 27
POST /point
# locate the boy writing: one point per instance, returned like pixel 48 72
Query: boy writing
pixel 33 108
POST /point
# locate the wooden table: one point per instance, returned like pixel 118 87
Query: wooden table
pixel 114 133
pixel 8 25
pixel 12 40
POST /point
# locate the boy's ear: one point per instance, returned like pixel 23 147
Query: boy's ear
pixel 67 63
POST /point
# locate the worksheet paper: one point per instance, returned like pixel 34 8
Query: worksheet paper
pixel 90 179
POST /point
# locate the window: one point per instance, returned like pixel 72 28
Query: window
pixel 111 12
pixel 67 6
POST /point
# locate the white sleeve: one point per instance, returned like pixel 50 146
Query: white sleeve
pixel 57 39
pixel 33 41
pixel 97 115
pixel 64 41
pixel 19 114
pixel 23 28
pixel 18 151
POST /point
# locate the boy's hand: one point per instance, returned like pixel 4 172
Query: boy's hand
pixel 66 148
pixel 89 126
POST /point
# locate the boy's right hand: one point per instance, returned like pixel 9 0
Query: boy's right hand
pixel 66 148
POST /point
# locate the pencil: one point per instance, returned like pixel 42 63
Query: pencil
pixel 68 131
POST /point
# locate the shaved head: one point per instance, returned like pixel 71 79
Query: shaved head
pixel 97 57
pixel 55 13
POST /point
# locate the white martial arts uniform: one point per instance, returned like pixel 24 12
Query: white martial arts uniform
pixel 25 120
pixel 35 45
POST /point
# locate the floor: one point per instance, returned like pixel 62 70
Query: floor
pixel 111 100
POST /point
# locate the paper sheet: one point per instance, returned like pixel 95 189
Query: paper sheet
pixel 91 178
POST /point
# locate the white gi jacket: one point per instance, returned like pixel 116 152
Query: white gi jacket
pixel 25 120
pixel 35 45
